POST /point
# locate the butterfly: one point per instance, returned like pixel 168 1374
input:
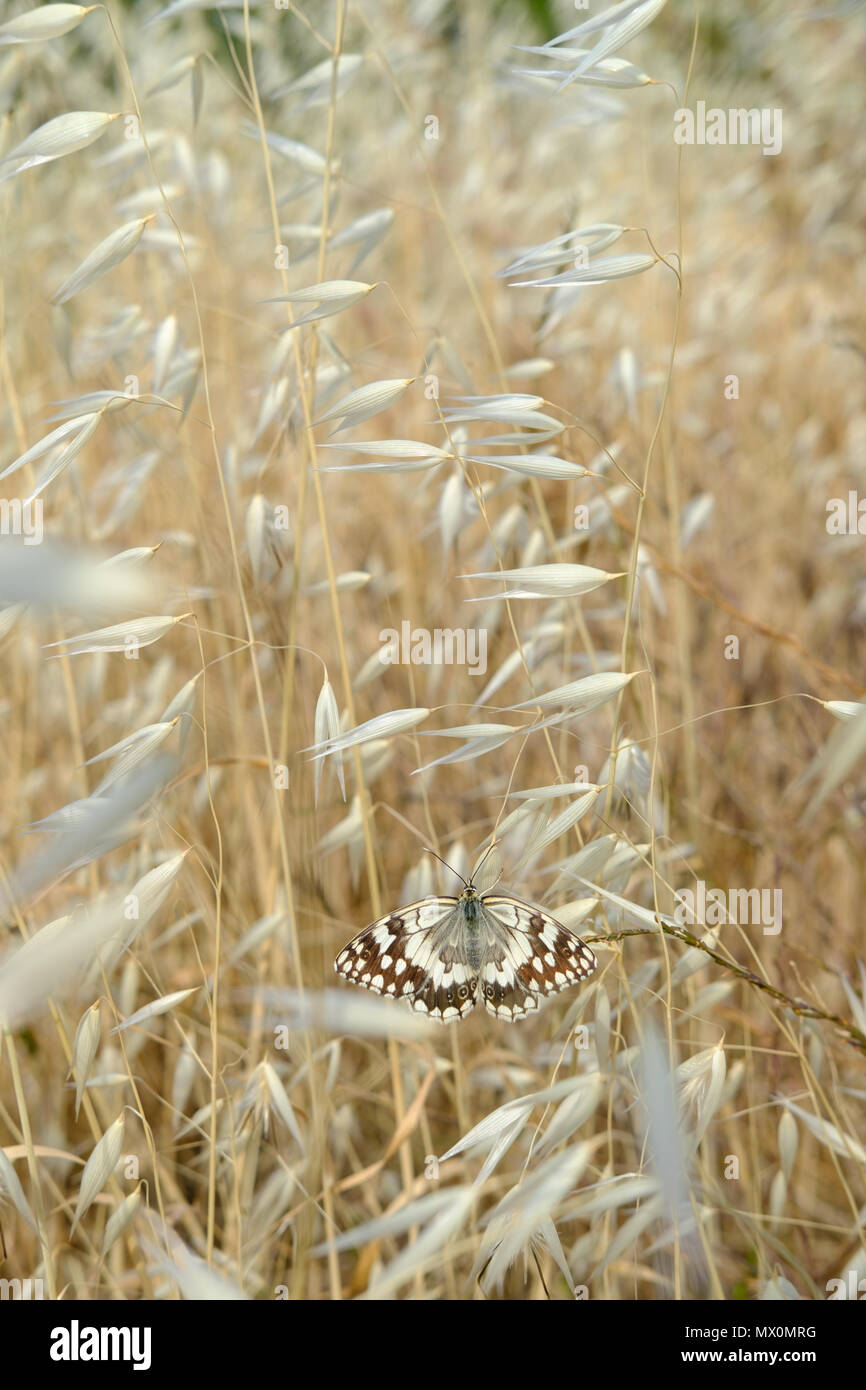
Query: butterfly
pixel 445 955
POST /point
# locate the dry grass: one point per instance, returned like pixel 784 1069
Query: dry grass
pixel 674 1129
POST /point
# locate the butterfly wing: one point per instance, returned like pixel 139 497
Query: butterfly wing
pixel 414 954
pixel 529 955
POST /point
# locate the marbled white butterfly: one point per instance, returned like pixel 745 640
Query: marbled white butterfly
pixel 445 955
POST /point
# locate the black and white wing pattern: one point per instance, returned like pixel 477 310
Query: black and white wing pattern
pixel 414 954
pixel 529 956
pixel 444 955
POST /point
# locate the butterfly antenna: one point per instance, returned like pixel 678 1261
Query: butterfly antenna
pixel 447 865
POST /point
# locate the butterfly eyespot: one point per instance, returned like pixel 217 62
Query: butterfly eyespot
pixel 463 992
pixel 488 991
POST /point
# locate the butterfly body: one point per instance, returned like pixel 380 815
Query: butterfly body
pixel 473 944
pixel 444 955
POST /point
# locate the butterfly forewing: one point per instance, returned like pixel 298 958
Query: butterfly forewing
pixel 413 954
pixel 442 955
pixel 531 956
